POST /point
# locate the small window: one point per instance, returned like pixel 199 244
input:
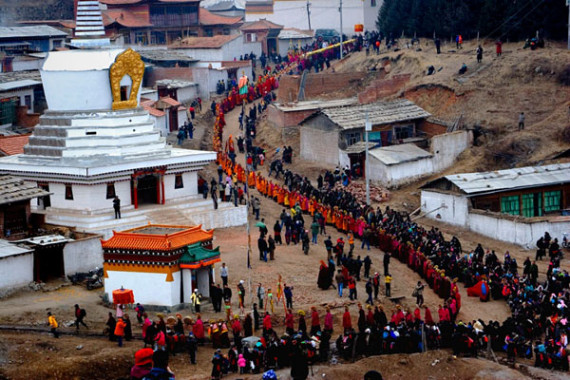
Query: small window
pixel 209 33
pixel 68 192
pixel 552 200
pixel 28 102
pixel 124 93
pixel 250 37
pixel 110 191
pixel 178 183
pixel 226 32
pixel 372 3
pixel 510 205
pixel 404 132
pixel 352 138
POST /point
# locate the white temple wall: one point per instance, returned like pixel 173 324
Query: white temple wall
pixel 203 279
pixel 190 181
pixel 187 282
pixel 65 90
pixel 148 288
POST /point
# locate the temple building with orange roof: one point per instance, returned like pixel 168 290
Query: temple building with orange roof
pixel 161 264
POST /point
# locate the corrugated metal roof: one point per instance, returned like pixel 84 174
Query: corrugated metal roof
pixel 18 84
pixel 398 154
pixel 359 147
pixel 20 75
pixel 10 32
pixel 8 249
pixel 165 55
pixel 294 33
pixel 380 113
pixel 529 176
pixel 14 189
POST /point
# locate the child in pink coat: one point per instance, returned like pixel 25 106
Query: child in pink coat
pixel 241 364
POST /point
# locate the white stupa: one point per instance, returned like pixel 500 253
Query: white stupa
pixel 95 142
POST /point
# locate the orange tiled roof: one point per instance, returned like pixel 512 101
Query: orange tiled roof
pixel 125 18
pixel 168 100
pixel 10 145
pixel 208 18
pixel 133 240
pixel 262 24
pixel 153 111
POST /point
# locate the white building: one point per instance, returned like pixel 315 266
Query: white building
pixel 291 38
pixel 14 94
pixel 324 14
pixel 514 205
pixel 95 143
pixel 161 264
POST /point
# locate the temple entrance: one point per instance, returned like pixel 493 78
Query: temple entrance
pixel 147 189
pixel 48 262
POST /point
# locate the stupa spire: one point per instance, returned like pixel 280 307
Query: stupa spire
pixel 89 28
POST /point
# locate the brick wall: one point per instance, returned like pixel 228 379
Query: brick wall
pixel 158 73
pixel 282 119
pixel 25 119
pixel 381 88
pixel 431 129
pixel 317 84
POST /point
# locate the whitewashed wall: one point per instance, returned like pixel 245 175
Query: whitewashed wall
pixel 182 117
pixel 446 147
pixel 396 175
pixel 148 288
pixel 454 211
pixel 324 14
pixel 505 228
pixel 319 146
pixel 26 64
pixel 82 255
pixel 16 270
pixel 89 198
pixel 254 47
pixel 187 94
pixel 160 125
pixel 517 231
pixel 190 181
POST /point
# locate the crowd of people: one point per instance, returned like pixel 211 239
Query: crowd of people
pixel 443 264
pixel 538 326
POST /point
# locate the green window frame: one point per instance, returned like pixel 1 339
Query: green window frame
pixel 510 205
pixel 532 205
pixel 552 200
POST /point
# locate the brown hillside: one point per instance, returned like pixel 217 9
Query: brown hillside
pixel 490 95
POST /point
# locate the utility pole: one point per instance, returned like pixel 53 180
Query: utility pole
pixel 309 13
pixel 367 128
pixel 340 10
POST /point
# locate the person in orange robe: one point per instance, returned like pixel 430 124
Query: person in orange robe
pixel 281 196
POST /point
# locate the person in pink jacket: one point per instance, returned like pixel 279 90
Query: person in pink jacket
pixel 241 364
